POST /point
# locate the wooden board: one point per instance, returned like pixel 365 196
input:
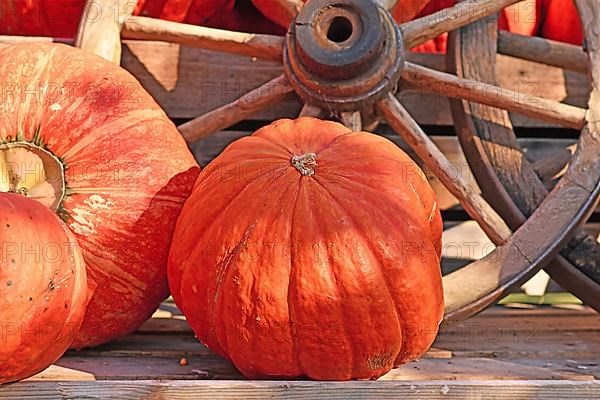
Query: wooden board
pixel 463 390
pixel 544 352
pixel 188 82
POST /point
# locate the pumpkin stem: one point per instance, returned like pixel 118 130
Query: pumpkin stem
pixel 32 171
pixel 305 163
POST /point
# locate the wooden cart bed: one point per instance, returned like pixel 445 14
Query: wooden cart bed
pixel 542 352
pixel 502 353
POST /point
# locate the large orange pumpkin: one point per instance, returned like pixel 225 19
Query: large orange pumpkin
pixel 309 250
pixel 43 289
pixel 116 170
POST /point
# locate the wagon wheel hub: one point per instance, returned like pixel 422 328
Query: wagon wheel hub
pixel 344 58
pixel 343 55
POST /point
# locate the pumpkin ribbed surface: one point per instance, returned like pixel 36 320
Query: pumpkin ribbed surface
pixel 114 168
pixel 309 250
pixel 43 290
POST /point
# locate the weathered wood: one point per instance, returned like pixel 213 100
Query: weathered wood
pixel 249 104
pixel 268 47
pixel 428 80
pixel 309 110
pixel 501 319
pixel 543 51
pixel 352 120
pixel 505 175
pixel 291 8
pixel 478 284
pixel 519 353
pixel 527 343
pixel 8 40
pixel 100 27
pixel 387 4
pixel 421 144
pixel 463 390
pixel 552 167
pixel 188 82
pixel 203 368
pixel 420 30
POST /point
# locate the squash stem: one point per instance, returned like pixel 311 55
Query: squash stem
pixel 305 164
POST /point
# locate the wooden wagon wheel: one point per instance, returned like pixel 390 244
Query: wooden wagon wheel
pixel 507 179
pixel 348 57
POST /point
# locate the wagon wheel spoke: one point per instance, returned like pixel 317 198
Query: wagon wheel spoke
pixel 263 46
pixel 518 256
pixel 245 107
pixel 309 110
pixel 544 51
pixel 553 166
pixel 352 119
pixel 429 80
pixel 503 173
pixel 421 30
pixel 99 30
pixel 291 8
pixel 387 4
pixel 401 121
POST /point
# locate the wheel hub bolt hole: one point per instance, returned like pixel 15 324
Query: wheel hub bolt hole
pixel 339 30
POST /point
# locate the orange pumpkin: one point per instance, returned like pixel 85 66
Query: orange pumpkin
pixel 113 166
pixel 43 289
pixel 309 250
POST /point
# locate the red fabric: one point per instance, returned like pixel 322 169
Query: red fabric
pixel 561 21
pixel 553 19
pixel 522 18
pixel 56 18
pixel 60 18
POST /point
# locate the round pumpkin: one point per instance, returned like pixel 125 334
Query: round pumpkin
pixel 309 250
pixel 43 289
pixel 113 166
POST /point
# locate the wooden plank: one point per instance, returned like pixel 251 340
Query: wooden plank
pixel 553 319
pixel 481 369
pixel 173 345
pixel 491 342
pixel 500 353
pixel 188 82
pixel 83 368
pixel 202 368
pixel 509 340
pixel 499 331
pixel 587 366
pixel 517 322
pixel 459 389
pixel 158 345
